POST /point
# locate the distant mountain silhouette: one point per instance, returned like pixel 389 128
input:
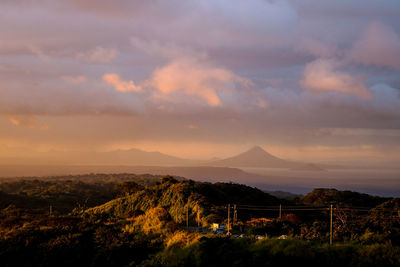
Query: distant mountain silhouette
pixel 139 157
pixel 134 157
pixel 257 157
pixel 307 167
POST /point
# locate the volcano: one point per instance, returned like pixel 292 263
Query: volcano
pixel 257 157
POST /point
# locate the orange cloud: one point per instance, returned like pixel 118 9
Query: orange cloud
pixel 27 121
pixel 77 79
pixel 192 127
pixel 194 77
pixel 320 75
pixel 188 73
pixel 120 85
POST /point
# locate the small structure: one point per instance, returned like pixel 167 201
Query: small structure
pixel 218 228
pixel 258 222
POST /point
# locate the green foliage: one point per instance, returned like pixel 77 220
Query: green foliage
pixel 68 241
pixel 200 200
pixel 66 193
pixel 146 225
pixel 154 221
pixel 324 196
pixel 223 251
pixel 129 187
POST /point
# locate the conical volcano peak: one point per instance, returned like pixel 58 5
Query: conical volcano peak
pixel 256 149
pixel 257 157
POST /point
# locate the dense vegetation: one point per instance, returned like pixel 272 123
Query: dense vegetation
pixel 131 220
pixel 222 251
pixel 203 202
pixel 323 196
pixel 64 193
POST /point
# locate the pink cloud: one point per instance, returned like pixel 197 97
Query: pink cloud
pixel 185 76
pixel 320 75
pixel 75 79
pixel 191 76
pixel 192 127
pixel 27 121
pixel 98 55
pixel 120 85
pixel 379 45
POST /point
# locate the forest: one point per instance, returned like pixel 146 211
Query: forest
pixel 148 220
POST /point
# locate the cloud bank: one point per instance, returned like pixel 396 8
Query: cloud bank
pixel 320 75
pixel 262 72
pixel 120 85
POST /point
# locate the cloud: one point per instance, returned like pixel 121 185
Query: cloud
pixel 27 121
pixel 38 52
pixel 320 75
pixel 194 56
pixel 316 48
pixel 387 99
pixel 379 45
pixel 189 72
pixel 191 76
pixel 98 55
pixel 169 50
pixel 120 85
pixel 192 127
pixel 75 79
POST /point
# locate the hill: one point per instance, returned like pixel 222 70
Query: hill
pixel 65 193
pixel 146 225
pixel 202 200
pixel 325 196
pixel 20 201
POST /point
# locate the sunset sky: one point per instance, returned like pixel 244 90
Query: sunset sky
pixel 304 79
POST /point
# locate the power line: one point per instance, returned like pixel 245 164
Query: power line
pixel 322 206
pixel 229 209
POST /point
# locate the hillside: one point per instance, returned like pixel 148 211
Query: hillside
pixel 145 224
pixel 324 196
pixel 205 200
pixel 65 193
pixel 20 201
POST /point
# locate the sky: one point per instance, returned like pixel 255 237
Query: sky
pixel 304 79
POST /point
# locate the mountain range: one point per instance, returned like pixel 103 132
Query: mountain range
pixel 256 157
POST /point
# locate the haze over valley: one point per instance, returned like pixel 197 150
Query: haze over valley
pixel 255 167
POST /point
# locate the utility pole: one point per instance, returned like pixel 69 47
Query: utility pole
pixel 229 214
pixel 330 231
pixel 234 214
pixel 280 211
pixel 187 217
